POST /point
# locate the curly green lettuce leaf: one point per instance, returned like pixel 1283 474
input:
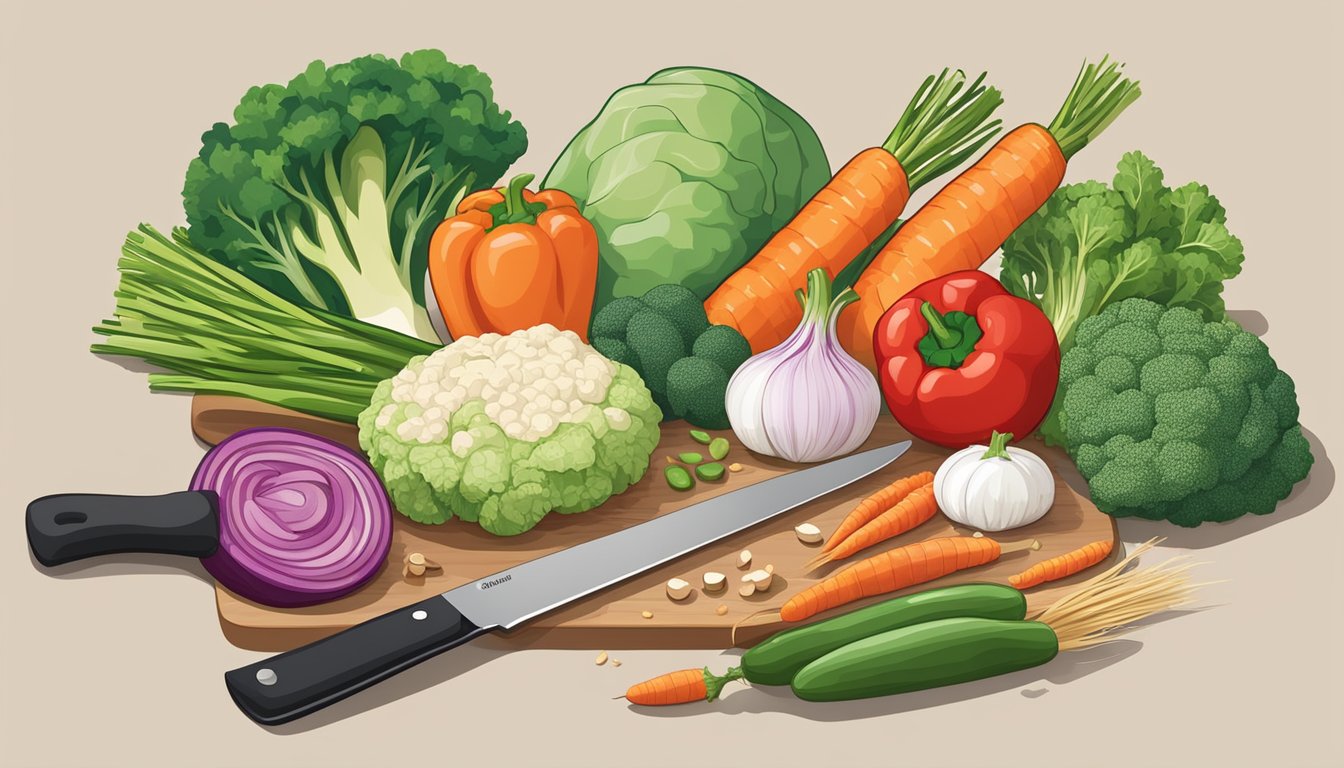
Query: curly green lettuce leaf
pixel 1091 246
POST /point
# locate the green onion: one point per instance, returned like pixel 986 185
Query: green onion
pixel 222 333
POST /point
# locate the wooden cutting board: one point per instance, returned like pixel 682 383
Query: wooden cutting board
pixel 613 617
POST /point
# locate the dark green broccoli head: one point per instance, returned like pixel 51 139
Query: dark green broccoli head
pixel 1170 417
pixel 681 306
pixel 611 320
pixel 723 346
pixel 655 342
pixel 695 390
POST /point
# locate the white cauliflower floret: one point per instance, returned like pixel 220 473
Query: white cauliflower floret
pixel 552 372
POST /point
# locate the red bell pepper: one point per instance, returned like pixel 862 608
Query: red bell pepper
pixel 959 357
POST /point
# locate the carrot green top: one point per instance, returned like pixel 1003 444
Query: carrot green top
pixel 1098 96
pixel 942 126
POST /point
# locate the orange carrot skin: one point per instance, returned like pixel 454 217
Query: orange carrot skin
pixel 891 570
pixel 833 228
pixel 914 510
pixel 1063 566
pixel 958 229
pixel 875 505
pixel 680 687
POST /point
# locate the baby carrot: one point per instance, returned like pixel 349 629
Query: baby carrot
pixel 681 687
pixel 896 569
pixel 875 505
pixel 1062 566
pixel 910 512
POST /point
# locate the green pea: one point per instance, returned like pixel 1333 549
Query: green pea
pixel 678 479
pixel 690 457
pixel 700 437
pixel 709 472
pixel 718 448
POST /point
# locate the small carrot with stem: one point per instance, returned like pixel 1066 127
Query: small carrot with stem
pixel 897 569
pixel 941 127
pixel 967 221
pixel 681 687
pixel 874 505
pixel 1063 566
pixel 910 512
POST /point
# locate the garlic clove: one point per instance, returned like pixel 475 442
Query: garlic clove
pixel 714 581
pixel 807 533
pixel 678 589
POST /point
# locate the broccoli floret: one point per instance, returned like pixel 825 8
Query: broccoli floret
pixel 695 390
pixel 327 190
pixel 615 350
pixel 1170 417
pixel 680 305
pixel 611 320
pixel 723 346
pixel 655 342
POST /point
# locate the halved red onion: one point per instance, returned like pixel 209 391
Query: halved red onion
pixel 303 519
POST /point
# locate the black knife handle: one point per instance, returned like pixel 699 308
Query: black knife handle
pixel 73 526
pixel 306 679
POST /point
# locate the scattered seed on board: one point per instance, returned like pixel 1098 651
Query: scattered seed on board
pixel 601 659
pixel 721 610
pixel 747 590
pixel 734 467
pixel 615 662
pixel 647 614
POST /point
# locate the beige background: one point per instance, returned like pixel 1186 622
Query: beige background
pixel 121 663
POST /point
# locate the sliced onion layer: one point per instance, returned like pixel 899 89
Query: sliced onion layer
pixel 303 519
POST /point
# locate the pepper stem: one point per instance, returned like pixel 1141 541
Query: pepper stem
pixel 514 205
pixel 945 337
pixel 998 446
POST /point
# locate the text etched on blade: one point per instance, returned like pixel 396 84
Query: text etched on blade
pixel 494 582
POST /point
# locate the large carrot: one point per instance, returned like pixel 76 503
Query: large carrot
pixel 1062 566
pixel 938 130
pixel 681 687
pixel 910 512
pixel 874 505
pixel 896 569
pixel 970 218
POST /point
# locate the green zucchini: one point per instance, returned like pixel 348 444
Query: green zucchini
pixel 777 659
pixel 928 655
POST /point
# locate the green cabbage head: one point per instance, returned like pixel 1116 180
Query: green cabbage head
pixel 500 430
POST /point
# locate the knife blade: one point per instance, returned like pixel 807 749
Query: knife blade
pixel 306 679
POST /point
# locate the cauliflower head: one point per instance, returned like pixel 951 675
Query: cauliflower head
pixel 500 430
pixel 1171 417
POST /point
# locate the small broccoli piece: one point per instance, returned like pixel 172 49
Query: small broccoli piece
pixel 681 306
pixel 655 342
pixel 610 321
pixel 1170 417
pixel 723 346
pixel 695 390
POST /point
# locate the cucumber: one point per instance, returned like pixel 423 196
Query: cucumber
pixel 928 655
pixel 776 660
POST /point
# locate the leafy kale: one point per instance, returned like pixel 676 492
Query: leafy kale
pixel 326 190
pixel 1091 246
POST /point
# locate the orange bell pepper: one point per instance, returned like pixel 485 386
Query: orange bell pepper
pixel 511 259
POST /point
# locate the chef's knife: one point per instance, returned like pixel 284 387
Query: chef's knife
pixel 306 679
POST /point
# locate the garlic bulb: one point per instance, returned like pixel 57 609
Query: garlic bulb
pixel 805 400
pixel 994 487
